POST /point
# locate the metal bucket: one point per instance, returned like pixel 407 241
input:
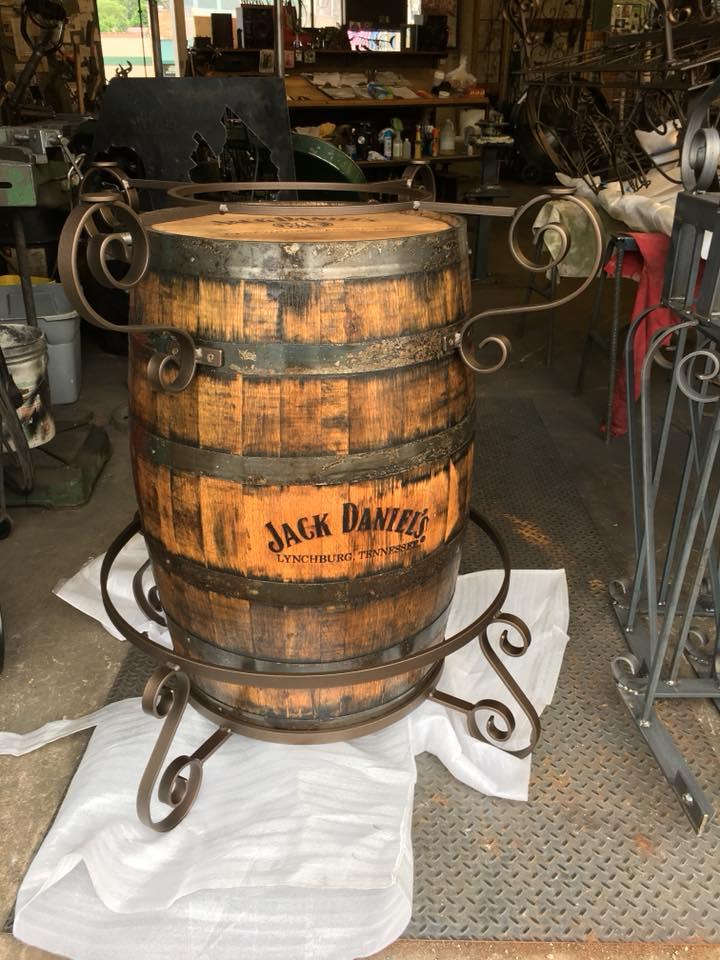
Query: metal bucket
pixel 25 352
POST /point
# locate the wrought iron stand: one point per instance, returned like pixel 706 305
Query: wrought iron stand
pixel 170 688
pixel 105 228
pixel 670 609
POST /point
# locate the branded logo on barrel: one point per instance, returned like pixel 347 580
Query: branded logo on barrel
pixel 409 523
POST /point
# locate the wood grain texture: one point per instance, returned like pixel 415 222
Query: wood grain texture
pixel 239 227
pixel 294 532
pixel 304 311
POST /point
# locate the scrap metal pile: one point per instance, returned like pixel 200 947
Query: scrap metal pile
pixel 585 107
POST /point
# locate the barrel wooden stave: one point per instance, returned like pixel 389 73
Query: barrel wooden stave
pixel 303 311
pixel 340 632
pixel 321 415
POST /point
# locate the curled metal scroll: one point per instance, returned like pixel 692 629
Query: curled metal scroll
pixel 111 231
pixel 421 177
pixel 685 369
pixel 700 152
pixel 488 730
pixel 699 648
pixel 165 696
pixel 625 669
pixel 104 180
pixel 149 602
pixel 468 350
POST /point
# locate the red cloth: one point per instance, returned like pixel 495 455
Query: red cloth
pixel 647 266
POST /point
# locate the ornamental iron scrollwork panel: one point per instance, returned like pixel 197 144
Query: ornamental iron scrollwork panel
pixel 669 609
pixel 584 108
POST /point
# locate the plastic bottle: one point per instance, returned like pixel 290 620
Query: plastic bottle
pixel 447 137
pixel 435 148
pixel 397 147
pixel 387 144
pixel 406 149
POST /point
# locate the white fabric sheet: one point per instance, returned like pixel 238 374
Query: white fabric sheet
pixel 299 853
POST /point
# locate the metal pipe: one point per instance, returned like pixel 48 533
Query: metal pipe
pixel 24 269
pixel 154 24
pixel 279 39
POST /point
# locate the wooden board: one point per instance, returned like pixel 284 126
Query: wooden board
pixel 297 229
pixel 298 88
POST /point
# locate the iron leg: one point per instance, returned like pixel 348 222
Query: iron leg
pixel 614 331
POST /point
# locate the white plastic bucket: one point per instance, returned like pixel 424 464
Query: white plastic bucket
pixel 61 326
pixel 25 353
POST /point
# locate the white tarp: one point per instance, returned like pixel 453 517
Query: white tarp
pixel 299 853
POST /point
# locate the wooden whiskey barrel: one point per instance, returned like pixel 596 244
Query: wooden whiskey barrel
pixel 304 502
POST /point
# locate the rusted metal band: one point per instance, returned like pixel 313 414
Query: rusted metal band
pixel 228 260
pixel 317 470
pixel 325 730
pixel 289 471
pixel 263 360
pixel 322 593
pixel 202 649
pixel 198 669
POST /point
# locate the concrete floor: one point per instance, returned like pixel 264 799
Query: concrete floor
pixel 60 663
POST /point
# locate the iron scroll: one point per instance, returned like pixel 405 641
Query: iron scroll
pixel 110 230
pixel 166 695
pixel 700 153
pixel 464 339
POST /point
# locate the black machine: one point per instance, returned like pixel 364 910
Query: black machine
pixel 49 19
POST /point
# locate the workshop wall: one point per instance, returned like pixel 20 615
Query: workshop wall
pixel 68 80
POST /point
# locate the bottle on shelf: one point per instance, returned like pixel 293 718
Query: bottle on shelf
pixel 387 138
pixel 417 153
pixel 406 149
pixel 447 137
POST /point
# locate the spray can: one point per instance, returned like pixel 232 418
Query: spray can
pixel 387 144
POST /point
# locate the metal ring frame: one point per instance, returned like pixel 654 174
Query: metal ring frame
pixel 127 242
pixel 279 677
pixel 170 689
pixel 407 197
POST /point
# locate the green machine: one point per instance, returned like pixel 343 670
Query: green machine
pixel 316 159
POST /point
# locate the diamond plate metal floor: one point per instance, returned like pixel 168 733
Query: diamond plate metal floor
pixel 602 850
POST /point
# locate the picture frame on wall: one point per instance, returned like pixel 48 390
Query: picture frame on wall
pixel 444 8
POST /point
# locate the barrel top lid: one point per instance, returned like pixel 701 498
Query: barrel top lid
pixel 302 229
